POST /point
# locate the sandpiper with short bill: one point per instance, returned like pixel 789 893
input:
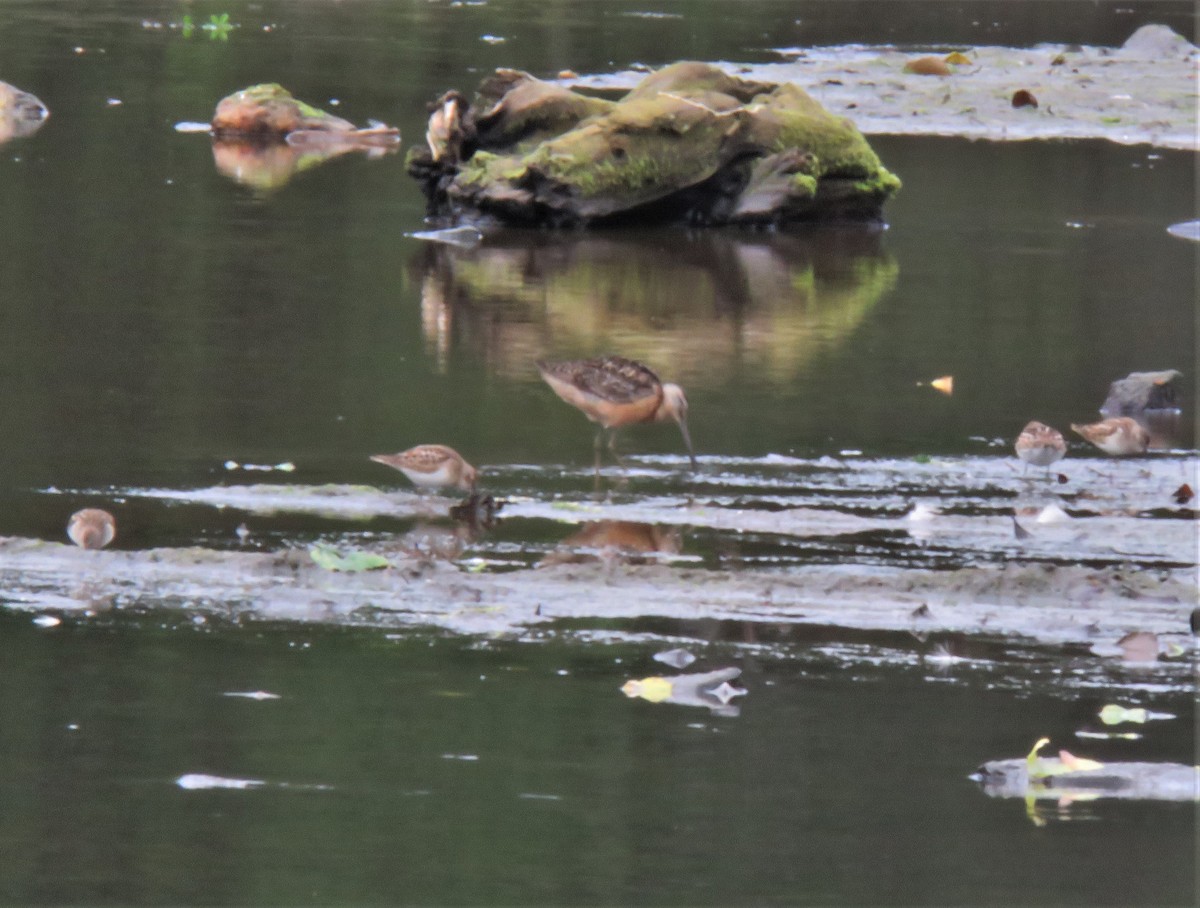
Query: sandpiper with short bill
pixel 1120 436
pixel 432 467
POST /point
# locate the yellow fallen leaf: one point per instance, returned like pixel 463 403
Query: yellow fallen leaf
pixel 654 689
pixel 945 384
pixel 1077 764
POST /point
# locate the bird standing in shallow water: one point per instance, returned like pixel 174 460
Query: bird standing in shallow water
pixel 432 467
pixel 1040 445
pixel 613 392
pixel 91 528
pixel 1119 437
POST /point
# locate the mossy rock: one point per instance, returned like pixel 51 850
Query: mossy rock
pixel 690 143
pixel 268 111
pixel 21 114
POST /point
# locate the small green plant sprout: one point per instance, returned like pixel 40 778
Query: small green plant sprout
pixel 218 27
pixel 187 26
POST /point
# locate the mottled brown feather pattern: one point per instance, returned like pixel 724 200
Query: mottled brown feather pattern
pixel 612 378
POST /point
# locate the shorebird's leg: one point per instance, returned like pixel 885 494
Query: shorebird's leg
pixel 612 448
pixel 599 445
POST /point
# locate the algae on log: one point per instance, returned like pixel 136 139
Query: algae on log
pixel 689 143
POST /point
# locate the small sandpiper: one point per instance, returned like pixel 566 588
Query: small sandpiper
pixel 92 528
pixel 432 467
pixel 1039 445
pixel 1120 436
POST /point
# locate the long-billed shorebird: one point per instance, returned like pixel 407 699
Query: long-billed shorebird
pixel 432 467
pixel 1039 445
pixel 613 391
pixel 91 528
pixel 1120 436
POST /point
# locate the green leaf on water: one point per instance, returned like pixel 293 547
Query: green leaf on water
pixel 922 458
pixel 356 561
pixel 1112 714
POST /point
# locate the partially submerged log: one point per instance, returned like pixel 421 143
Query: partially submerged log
pixel 1149 781
pixel 689 143
pixel 21 114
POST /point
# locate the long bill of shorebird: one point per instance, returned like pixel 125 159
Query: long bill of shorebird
pixel 674 406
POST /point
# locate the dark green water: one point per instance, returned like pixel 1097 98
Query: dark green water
pixel 158 319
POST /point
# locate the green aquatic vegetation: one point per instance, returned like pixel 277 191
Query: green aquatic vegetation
pixel 331 560
pixel 218 27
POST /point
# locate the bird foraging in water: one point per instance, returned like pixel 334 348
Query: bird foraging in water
pixel 1040 445
pixel 92 528
pixel 432 467
pixel 1120 436
pixel 613 391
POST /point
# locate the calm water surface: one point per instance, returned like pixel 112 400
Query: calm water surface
pixel 159 318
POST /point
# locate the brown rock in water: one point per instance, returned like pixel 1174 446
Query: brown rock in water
pixel 689 143
pixel 268 112
pixel 927 66
pixel 21 114
pixel 1141 391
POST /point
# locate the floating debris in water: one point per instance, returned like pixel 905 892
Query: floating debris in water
pixel 466 237
pixel 492 39
pixel 535 796
pixel 1112 714
pixel 1187 230
pixel 252 694
pixel 945 384
pixel 467 758
pixel 711 689
pixel 195 781
pixel 676 658
pixel 188 126
pixel 1110 735
pixel 286 467
pixel 47 621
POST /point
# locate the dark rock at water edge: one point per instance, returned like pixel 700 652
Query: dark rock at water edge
pixel 688 144
pixel 1141 391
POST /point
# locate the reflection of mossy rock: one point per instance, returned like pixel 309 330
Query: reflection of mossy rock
pixel 690 142
pixel 21 114
pixel 269 111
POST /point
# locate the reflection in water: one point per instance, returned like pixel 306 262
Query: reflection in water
pixel 710 689
pixel 774 298
pixel 21 114
pixel 267 166
pixel 617 541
